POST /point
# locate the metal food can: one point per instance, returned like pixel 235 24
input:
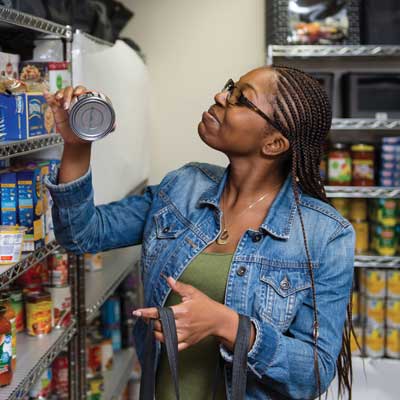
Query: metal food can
pixel 358 210
pixel 91 116
pixel 356 341
pixel 94 355
pixel 17 304
pixel 95 388
pixel 111 311
pixel 342 205
pixel 58 268
pixel 362 236
pixel 375 283
pixel 374 341
pixel 392 349
pixel 93 262
pixel 355 306
pixel 393 313
pixel 107 354
pixel 374 311
pixel 61 297
pixel 42 388
pixel 393 283
pixel 386 240
pixel 38 309
pixel 61 376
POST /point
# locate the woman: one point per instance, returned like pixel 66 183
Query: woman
pixel 258 238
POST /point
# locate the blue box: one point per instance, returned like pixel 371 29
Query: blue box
pixel 27 115
pixel 8 189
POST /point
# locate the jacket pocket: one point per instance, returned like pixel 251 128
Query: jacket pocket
pixel 165 228
pixel 282 293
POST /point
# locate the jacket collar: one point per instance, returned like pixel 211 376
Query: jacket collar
pixel 280 216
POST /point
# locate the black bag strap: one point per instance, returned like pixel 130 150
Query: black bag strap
pixel 147 384
pixel 239 367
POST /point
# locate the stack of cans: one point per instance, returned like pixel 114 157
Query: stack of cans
pixel 376 313
pixel 389 171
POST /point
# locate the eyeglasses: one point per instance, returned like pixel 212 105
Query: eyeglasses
pixel 236 97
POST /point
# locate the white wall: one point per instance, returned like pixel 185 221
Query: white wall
pixel 192 48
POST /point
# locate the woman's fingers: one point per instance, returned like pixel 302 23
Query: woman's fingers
pixel 68 93
pixel 79 90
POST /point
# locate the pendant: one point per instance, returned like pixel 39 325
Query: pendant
pixel 223 238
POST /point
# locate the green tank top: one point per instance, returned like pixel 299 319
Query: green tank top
pixel 208 272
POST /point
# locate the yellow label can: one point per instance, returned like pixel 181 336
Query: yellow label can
pixel 392 343
pixel 374 341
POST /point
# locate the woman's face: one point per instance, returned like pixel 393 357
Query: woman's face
pixel 236 129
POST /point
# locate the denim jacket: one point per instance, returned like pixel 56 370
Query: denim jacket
pixel 268 280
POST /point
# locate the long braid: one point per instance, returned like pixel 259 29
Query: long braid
pixel 303 114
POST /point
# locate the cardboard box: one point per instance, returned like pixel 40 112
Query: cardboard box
pixel 8 190
pixel 30 206
pixel 25 115
pixel 55 75
pixel 9 64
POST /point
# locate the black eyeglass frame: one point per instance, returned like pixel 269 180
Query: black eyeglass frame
pixel 242 99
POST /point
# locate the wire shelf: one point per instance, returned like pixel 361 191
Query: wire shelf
pixel 303 51
pixel 359 123
pixel 24 20
pixel 22 147
pixel 100 285
pixel 10 272
pixel 374 261
pixel 35 354
pixel 370 192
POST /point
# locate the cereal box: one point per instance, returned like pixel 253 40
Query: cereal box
pixel 8 189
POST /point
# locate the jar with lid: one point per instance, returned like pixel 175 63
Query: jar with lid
pixel 38 309
pixel 17 303
pixel 10 315
pixel 6 371
pixel 363 165
pixel 339 165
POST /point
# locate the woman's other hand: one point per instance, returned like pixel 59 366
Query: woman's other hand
pixel 197 317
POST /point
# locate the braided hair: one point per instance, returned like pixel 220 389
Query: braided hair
pixel 303 115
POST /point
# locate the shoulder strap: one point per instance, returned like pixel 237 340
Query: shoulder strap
pixel 147 384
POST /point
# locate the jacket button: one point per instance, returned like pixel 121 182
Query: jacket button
pixel 285 284
pixel 241 271
pixel 166 229
pixel 257 237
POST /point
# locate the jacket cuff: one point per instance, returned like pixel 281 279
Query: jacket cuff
pixel 71 194
pixel 263 351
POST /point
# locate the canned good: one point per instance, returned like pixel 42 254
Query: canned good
pixel 94 354
pixel 374 310
pixel 32 277
pixel 355 306
pixel 93 262
pixel 38 309
pixel 11 241
pixel 91 116
pixel 95 388
pixel 393 283
pixel 386 211
pixel 358 209
pixel 356 341
pixel 61 298
pixel 17 303
pixel 375 283
pixel 107 354
pixel 386 240
pixel 111 311
pixel 393 313
pixel 42 388
pixel 392 349
pixel 61 376
pixel 342 206
pixel 374 341
pixel 5 301
pixel 362 236
pixel 58 268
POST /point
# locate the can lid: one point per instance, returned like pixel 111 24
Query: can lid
pixel 362 147
pixel 92 118
pixel 340 146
